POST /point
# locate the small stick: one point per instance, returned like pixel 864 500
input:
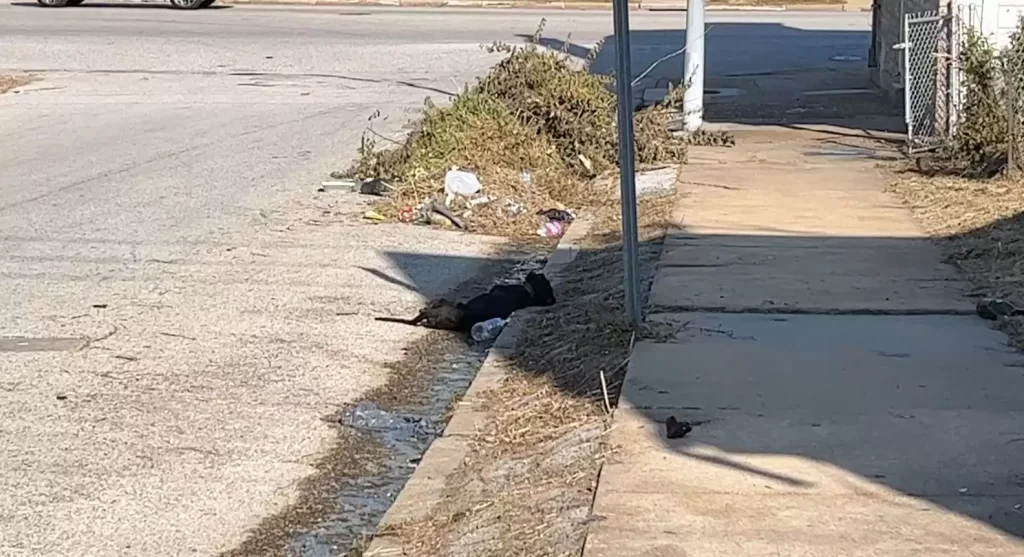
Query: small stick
pixel 446 213
pixel 176 335
pixel 90 342
pixel 604 390
pixel 374 132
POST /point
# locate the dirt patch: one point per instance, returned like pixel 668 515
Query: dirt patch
pixel 527 485
pixel 980 224
pixel 9 81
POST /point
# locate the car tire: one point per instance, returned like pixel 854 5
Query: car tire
pixel 52 3
pixel 75 2
pixel 207 3
pixel 186 4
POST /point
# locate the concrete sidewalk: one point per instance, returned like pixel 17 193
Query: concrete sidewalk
pixel 849 402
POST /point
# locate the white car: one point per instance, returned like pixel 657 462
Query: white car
pixel 179 4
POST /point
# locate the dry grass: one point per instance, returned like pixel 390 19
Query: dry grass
pixel 535 111
pixel 527 486
pixel 9 81
pixel 981 225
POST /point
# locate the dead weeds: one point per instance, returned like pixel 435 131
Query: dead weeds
pixel 981 226
pixel 527 485
pixel 537 130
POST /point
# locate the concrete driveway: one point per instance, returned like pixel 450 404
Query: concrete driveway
pixel 158 209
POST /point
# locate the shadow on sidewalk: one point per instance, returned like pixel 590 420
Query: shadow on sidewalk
pixel 760 73
pixel 924 403
pixel 901 393
pixel 898 400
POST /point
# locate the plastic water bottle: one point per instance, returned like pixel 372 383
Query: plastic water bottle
pixel 487 330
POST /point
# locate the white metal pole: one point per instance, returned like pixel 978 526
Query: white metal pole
pixel 693 67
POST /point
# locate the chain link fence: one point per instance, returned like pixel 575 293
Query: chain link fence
pixel 963 96
pixel 926 69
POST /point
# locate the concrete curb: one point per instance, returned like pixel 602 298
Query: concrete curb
pixel 426 485
pixel 534 5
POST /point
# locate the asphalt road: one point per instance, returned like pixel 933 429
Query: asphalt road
pixel 157 195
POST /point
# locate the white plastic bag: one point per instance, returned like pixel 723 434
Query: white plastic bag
pixel 459 182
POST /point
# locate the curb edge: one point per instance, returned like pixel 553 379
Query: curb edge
pixel 425 487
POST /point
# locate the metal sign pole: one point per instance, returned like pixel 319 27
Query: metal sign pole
pixel 627 177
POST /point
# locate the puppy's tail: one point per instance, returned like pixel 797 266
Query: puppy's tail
pixel 399 320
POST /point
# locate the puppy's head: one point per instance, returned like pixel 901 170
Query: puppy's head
pixel 543 293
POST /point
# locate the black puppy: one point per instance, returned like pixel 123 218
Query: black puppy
pixel 500 301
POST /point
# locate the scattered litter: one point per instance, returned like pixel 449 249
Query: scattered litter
pixel 374 216
pixel 962 490
pixel 555 222
pixel 1017 507
pixel 459 182
pixel 482 200
pixel 438 219
pixel 551 229
pixel 407 214
pixel 512 208
pixel 376 187
pixel 441 210
pixel 559 215
pixel 338 185
pixel 488 330
pixel 100 306
pixel 994 308
pixel 65 397
pixel 674 429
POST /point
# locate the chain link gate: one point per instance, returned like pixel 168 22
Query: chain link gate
pixel 927 75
